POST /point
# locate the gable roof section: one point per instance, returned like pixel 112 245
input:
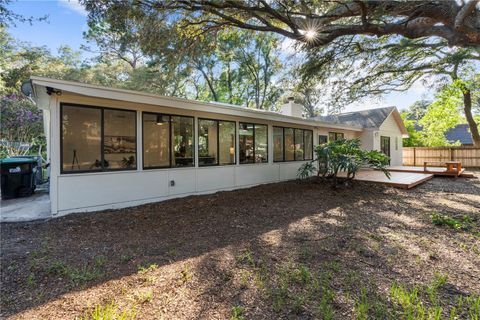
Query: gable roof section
pixel 460 133
pixel 368 119
pixel 40 84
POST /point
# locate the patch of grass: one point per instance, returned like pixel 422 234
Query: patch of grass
pixel 186 274
pixel 408 301
pixel 325 307
pixel 110 312
pixel 465 223
pixel 143 269
pixel 100 261
pixel 125 258
pixel 246 256
pixel 144 296
pixel 77 276
pixel 444 220
pixel 298 302
pixel 362 306
pixel 237 313
pixel 438 281
pixel 31 280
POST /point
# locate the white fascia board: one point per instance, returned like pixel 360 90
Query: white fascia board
pixel 173 102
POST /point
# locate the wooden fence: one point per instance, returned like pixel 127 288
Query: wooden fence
pixel 415 156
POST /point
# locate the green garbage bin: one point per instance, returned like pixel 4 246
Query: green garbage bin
pixel 18 177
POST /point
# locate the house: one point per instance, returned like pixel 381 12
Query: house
pixel 112 148
pixel 460 133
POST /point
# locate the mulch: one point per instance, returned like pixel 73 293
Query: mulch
pixel 61 268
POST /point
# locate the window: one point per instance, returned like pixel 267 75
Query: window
pixel 299 145
pixel 322 139
pixel 334 136
pixel 182 141
pixel 120 139
pixel 292 144
pixel 277 144
pixel 289 144
pixel 156 141
pixel 216 142
pixel 226 148
pixel 261 143
pixel 308 136
pixel 167 141
pixel 396 143
pixel 385 145
pixel 253 143
pixel 97 139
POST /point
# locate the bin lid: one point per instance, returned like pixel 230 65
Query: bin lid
pixel 17 160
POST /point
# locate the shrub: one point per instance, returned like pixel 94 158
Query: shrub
pixel 343 156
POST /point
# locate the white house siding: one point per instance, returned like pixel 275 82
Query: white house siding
pixel 77 192
pixel 389 128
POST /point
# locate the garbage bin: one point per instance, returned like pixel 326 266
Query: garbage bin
pixel 38 171
pixel 18 177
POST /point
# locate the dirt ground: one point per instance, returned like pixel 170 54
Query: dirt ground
pixel 278 251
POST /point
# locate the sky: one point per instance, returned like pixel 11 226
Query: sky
pixel 67 20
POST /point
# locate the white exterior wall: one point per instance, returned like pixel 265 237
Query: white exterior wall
pixel 77 192
pixel 389 128
pixel 370 139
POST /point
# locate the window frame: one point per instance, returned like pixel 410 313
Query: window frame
pixel 218 142
pixel 102 138
pixel 253 143
pixel 336 133
pixel 169 141
pixel 294 143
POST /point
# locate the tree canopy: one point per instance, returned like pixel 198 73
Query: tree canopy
pixel 320 22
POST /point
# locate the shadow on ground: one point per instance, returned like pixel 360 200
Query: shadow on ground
pixel 199 257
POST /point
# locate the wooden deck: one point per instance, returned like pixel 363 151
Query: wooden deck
pixel 404 180
pixel 438 171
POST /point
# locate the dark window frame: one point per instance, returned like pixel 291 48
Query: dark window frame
pixel 218 142
pixel 283 144
pixel 102 139
pixel 170 149
pixel 304 145
pixel 294 143
pixel 322 135
pixel 336 134
pixel 254 140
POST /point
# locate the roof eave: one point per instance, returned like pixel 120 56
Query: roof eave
pixel 158 100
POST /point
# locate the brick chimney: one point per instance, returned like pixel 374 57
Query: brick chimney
pixel 291 108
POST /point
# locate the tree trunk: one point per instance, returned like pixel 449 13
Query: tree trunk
pixel 467 104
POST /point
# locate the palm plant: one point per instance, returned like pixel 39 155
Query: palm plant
pixel 343 156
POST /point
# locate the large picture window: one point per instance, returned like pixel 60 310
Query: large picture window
pixel 216 142
pixel 253 143
pixel 97 139
pixel 292 144
pixel 167 141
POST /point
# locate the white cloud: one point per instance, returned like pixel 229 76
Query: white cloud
pixel 73 5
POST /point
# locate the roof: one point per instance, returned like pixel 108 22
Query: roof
pixel 460 133
pixel 39 84
pixel 368 119
pixel 372 118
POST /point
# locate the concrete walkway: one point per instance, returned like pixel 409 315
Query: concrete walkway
pixel 36 207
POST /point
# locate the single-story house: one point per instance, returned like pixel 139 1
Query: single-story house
pixel 112 148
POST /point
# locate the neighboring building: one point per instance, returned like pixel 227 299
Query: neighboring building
pixel 112 148
pixel 460 133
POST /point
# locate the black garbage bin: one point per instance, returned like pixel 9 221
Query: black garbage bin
pixel 18 177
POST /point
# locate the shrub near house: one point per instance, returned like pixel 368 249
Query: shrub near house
pixel 343 155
